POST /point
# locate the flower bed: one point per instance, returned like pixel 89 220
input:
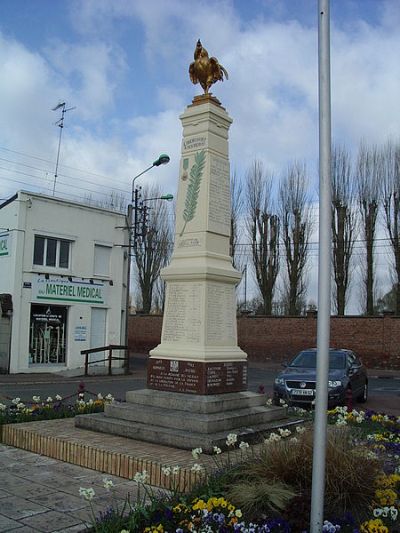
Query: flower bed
pixel 267 488
pixel 37 409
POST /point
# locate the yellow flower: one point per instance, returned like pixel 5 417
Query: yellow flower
pixel 386 497
pixel 374 526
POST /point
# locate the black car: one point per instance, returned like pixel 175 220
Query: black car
pixel 296 384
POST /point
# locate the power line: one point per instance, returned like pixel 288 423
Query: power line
pixel 24 154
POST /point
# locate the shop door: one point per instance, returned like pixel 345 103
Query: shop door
pixel 98 333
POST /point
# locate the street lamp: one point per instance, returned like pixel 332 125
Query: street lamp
pixel 163 159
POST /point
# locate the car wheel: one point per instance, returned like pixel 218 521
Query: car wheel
pixel 363 397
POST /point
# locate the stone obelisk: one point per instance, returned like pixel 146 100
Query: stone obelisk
pixel 198 351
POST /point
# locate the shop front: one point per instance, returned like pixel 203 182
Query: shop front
pixel 67 315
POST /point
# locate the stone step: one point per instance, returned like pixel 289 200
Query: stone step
pixel 174 437
pixel 193 422
pixel 196 403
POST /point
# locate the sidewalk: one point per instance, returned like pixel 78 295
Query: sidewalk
pixel 40 494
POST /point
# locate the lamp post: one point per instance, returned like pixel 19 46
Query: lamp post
pixel 163 159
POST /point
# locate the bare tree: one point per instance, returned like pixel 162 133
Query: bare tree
pixel 152 248
pixel 236 214
pixel 369 174
pixel 295 216
pixel 391 205
pixel 263 229
pixel 343 224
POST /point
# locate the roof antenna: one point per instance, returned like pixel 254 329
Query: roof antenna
pixel 60 124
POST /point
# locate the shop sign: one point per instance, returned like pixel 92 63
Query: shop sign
pixel 63 290
pixel 5 243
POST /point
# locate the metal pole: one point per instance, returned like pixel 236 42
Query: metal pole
pixel 245 287
pixel 128 284
pixel 61 126
pixel 324 270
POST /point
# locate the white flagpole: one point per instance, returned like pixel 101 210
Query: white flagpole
pixel 324 269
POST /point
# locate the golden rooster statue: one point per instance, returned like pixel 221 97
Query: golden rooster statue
pixel 205 70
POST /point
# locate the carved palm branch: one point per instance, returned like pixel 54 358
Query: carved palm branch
pixel 192 193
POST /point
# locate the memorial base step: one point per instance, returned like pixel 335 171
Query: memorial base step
pixel 186 421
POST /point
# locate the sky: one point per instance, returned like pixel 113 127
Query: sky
pixel 122 66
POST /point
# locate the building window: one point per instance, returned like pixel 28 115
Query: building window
pixel 48 333
pixel 102 256
pixel 51 252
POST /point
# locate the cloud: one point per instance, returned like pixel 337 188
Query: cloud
pixel 92 72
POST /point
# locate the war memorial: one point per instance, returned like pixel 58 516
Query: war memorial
pixel 197 376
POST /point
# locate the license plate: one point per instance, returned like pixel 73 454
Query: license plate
pixel 302 392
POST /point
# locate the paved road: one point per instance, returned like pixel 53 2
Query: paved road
pixel 384 393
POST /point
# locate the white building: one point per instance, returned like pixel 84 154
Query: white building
pixel 64 265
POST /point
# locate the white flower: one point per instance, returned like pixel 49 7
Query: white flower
pixel 238 513
pixel 294 440
pixel 243 445
pixel 49 399
pixel 36 399
pixel 284 432
pixel 2 407
pixel 109 397
pixel 273 437
pixel 99 396
pixel 20 405
pixel 90 402
pixel 231 439
pixel 141 477
pixel 16 401
pixel 196 452
pixel 341 422
pixel 394 513
pixel 107 483
pixel 58 397
pixel 196 468
pixel 166 470
pixel 81 403
pixel 175 470
pixel 300 429
pixel 269 401
pixel 377 512
pixel 87 494
pixel 217 450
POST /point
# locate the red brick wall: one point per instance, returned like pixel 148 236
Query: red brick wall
pixel 276 339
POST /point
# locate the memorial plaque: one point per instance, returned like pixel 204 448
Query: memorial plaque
pixel 219 210
pixel 183 313
pixel 195 377
pixel 221 326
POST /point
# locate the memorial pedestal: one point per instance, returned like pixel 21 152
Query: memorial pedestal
pixel 198 352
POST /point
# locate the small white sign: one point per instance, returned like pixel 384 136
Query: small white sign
pixel 5 244
pixel 80 333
